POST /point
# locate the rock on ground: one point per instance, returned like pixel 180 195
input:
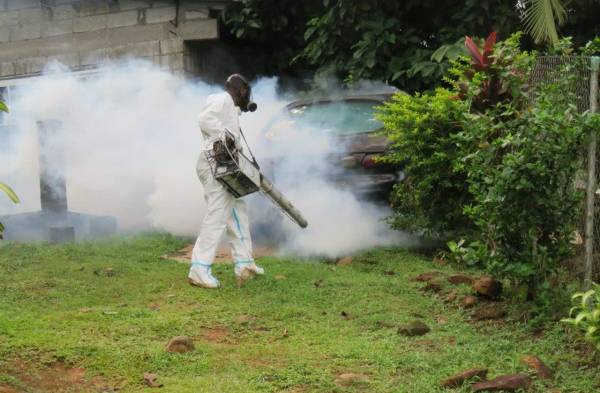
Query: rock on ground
pixel 492 311
pixel 180 344
pixel 488 286
pixel 415 328
pixel 460 279
pixel 346 379
pixel 426 277
pixel 504 383
pixel 538 365
pixel 460 378
pixel 469 301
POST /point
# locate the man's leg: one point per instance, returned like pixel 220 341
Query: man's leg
pixel 238 233
pixel 219 204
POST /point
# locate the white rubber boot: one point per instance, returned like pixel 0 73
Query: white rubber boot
pixel 201 276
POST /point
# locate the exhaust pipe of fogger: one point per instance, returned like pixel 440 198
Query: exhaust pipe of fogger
pixel 277 197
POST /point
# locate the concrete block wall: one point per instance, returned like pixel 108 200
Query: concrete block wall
pixel 86 33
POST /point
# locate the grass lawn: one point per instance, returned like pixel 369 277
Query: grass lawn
pixel 96 317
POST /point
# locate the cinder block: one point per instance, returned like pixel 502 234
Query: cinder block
pixel 89 23
pixel 30 16
pixel 57 27
pixel 93 8
pixel 71 60
pixel 172 62
pixel 125 5
pixel 9 18
pixel 65 11
pixel 139 33
pixel 7 68
pixel 160 15
pixel 4 34
pixel 171 46
pixel 120 19
pixel 198 13
pixel 25 32
pixel 94 57
pixel 136 50
pixel 30 65
pixel 200 29
pixel 19 4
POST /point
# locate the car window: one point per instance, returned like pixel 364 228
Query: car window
pixel 339 117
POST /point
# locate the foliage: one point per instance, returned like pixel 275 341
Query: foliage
pixel 408 44
pixel 541 18
pixel 4 187
pixel 492 162
pixel 430 199
pixel 586 314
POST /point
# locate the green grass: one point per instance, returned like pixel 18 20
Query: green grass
pixel 58 303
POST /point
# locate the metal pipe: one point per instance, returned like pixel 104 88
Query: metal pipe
pixel 591 183
pixel 277 197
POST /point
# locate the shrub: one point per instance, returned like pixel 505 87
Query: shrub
pixel 491 163
pixel 421 129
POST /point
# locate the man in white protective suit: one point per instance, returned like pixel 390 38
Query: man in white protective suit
pixel 225 213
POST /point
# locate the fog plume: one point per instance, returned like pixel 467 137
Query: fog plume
pixel 131 142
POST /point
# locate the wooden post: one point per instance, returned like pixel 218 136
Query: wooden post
pixel 591 183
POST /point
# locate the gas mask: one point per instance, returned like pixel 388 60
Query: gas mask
pixel 247 104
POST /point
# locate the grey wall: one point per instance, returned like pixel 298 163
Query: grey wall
pixel 85 33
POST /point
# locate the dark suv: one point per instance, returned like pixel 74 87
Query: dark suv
pixel 349 119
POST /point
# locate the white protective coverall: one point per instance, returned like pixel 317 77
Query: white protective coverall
pixel 225 212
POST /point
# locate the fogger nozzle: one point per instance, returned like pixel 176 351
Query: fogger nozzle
pixel 277 197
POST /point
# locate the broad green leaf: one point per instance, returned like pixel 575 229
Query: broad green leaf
pixel 3 107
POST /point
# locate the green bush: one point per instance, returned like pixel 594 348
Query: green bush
pixel 491 164
pixel 421 129
pixel 586 314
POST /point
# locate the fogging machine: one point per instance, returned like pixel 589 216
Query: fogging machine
pixel 241 176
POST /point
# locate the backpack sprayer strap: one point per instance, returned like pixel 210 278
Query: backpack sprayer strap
pixel 249 150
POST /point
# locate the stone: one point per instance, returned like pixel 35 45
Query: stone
pixel 344 261
pixel 538 366
pixel 506 383
pixel 180 344
pixel 426 277
pixel 151 380
pixel 347 379
pixel 492 311
pixel 469 301
pixel 433 287
pixel 459 379
pixel 460 279
pixel 415 328
pixel 488 286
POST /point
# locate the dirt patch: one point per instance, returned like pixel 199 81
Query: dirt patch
pixel 223 254
pixel 55 378
pixel 217 335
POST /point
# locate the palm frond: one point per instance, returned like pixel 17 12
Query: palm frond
pixel 541 18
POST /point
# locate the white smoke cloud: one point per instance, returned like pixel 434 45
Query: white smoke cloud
pixel 131 142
